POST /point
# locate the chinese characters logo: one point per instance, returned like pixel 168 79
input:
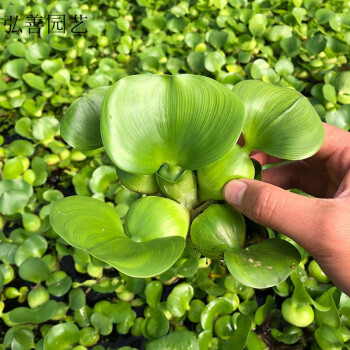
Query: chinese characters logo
pixel 55 24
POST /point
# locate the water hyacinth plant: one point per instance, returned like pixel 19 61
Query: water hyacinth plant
pixel 173 140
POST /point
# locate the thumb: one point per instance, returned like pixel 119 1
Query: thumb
pixel 296 216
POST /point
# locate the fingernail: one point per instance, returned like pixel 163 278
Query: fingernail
pixel 234 191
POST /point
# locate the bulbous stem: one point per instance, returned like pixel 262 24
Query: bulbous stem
pixel 170 172
pixel 183 189
pixel 195 212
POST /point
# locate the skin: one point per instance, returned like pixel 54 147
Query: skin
pixel 321 225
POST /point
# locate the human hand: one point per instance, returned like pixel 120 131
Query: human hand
pixel 320 225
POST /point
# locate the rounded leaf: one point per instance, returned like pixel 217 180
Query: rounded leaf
pixel 38 315
pixel 217 307
pixel 155 227
pixel 178 301
pixel 16 68
pixel 279 121
pixel 175 340
pixel 138 183
pixel 212 178
pixel 14 196
pixel 34 270
pixel 218 229
pixel 80 126
pixel 182 120
pixel 297 314
pixel 61 336
pixel 340 117
pixel 264 264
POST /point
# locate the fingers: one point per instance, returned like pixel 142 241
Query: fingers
pixel 264 158
pixel 293 215
pixel 344 188
pixel 302 176
pixel 335 142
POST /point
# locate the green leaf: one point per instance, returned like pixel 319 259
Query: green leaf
pixel 337 45
pixel 257 25
pixel 193 39
pixel 41 171
pixel 342 82
pixel 290 335
pixel 115 312
pixel 52 66
pixel 329 93
pixel 8 252
pixel 212 178
pixel 278 32
pixel 218 229
pixel 101 178
pixel 58 284
pixel 34 81
pixel 155 326
pixel 214 61
pixel 2 282
pixel 220 4
pixel 13 168
pixel 62 76
pixel 290 45
pixel 16 48
pixel 34 270
pixel 149 120
pixel 301 296
pixel 284 67
pixel 16 68
pixel 77 299
pixel 40 314
pixel 176 340
pixel 178 301
pixel 177 24
pixel 14 196
pixel 37 52
pixel 217 307
pixel 23 127
pixel 195 61
pixel 299 14
pixel 329 338
pixel 45 128
pixel 339 117
pixel 80 126
pixel 264 310
pixel 19 338
pixel 138 183
pixel 316 44
pixel 239 338
pixel 61 336
pixel 255 268
pixel 61 43
pixel 279 121
pixel 331 317
pixel 21 147
pixel 147 248
pixel 153 23
pixel 153 293
pixel 32 247
pixel 217 38
pixel 324 15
